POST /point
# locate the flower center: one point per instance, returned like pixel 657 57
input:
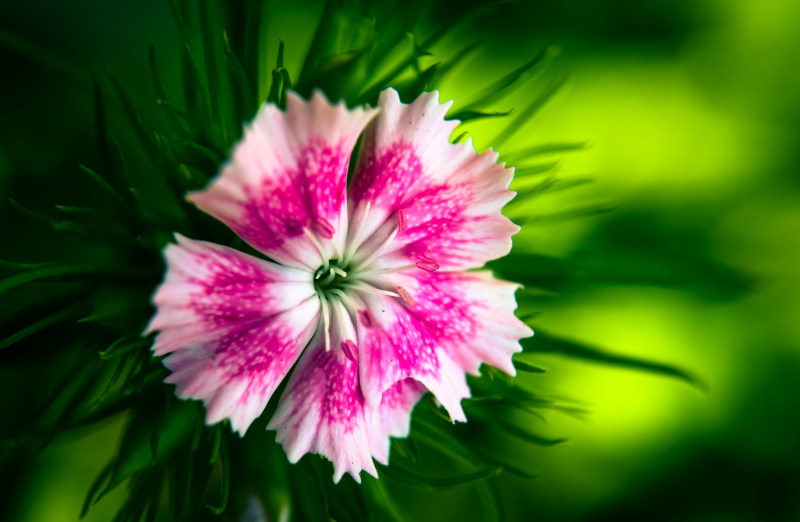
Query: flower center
pixel 331 276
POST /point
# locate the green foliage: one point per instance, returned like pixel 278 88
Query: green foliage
pixel 96 306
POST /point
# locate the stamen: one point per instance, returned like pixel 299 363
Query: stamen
pixel 315 241
pixel 325 228
pixel 366 318
pixel 405 296
pixel 350 350
pixel 355 240
pixel 378 251
pixel 348 346
pixel 402 222
pixel 328 278
pixel 427 264
pixel 346 300
pixel 369 289
pixel 380 271
pixel 338 271
pixel 326 320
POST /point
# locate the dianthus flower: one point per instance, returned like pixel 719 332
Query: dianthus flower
pixel 368 292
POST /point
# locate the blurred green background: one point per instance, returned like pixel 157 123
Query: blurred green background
pixel 691 113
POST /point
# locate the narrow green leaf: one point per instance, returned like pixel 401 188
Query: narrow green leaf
pixel 66 314
pixel 123 203
pixel 535 270
pixel 521 433
pixel 48 270
pixel 463 18
pixel 520 172
pixel 567 215
pixel 543 150
pixel 404 476
pixel 243 98
pixel 124 346
pixel 527 367
pixel 456 59
pixel 277 91
pixel 370 93
pixel 151 55
pixel 498 90
pixel 43 56
pixel 466 116
pixel 544 342
pixel 212 73
pixel 94 489
pixel 529 111
pixel 136 122
pixel 215 445
pixel 226 481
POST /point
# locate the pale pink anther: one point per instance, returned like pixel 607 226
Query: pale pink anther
pixel 325 228
pixel 405 296
pixel 426 263
pixel 367 301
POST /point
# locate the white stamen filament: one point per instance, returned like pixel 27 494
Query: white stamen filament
pixel 378 251
pixel 325 261
pixel 355 240
pixel 382 271
pixel 326 320
pixel 346 300
pixel 369 289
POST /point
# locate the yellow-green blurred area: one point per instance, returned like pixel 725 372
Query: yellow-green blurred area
pixel 690 112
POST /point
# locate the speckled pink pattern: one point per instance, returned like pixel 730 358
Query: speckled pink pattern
pixel 402 317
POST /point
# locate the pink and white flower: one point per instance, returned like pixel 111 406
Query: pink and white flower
pixel 368 294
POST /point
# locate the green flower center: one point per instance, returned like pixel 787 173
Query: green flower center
pixel 332 276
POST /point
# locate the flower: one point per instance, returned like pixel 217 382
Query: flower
pixel 369 289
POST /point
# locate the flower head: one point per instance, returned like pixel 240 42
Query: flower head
pixel 368 295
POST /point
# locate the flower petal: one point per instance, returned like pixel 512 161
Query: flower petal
pixel 287 179
pixel 394 345
pixel 442 199
pixel 323 410
pixel 233 325
pixel 470 314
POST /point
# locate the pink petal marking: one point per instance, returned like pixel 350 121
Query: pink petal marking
pixel 287 176
pixel 447 198
pixel 323 411
pixel 233 325
pixel 397 346
pixel 470 314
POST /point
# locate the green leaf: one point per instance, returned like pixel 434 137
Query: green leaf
pixel 498 90
pixel 527 367
pixel 124 346
pixel 43 56
pixel 528 113
pixel 216 100
pixel 521 433
pixel 533 170
pixel 226 481
pixel 543 342
pixel 243 99
pixel 95 488
pixel 57 269
pixel 404 476
pixel 466 116
pixel 543 150
pixel 534 270
pixel 566 215
pixel 407 448
pixel 66 314
pixel 121 200
pixel 456 59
